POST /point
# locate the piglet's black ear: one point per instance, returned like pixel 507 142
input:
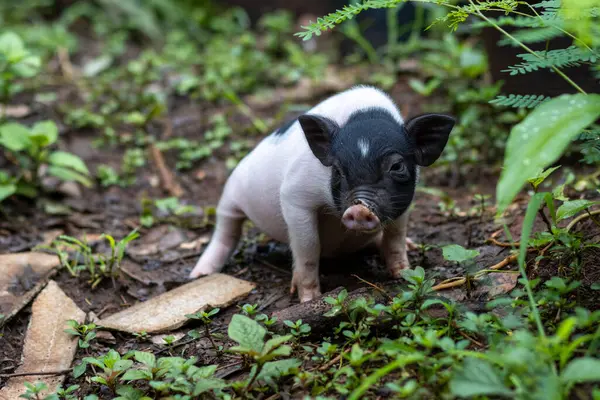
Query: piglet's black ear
pixel 319 132
pixel 430 134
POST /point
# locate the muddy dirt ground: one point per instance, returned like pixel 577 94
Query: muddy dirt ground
pixel 165 253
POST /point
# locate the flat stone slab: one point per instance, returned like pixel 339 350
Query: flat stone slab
pixel 167 312
pixel 22 276
pixel 47 346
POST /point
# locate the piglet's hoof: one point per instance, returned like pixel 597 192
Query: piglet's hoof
pixel 410 244
pixel 397 268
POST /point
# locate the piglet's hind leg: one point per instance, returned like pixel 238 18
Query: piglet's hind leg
pixel 224 240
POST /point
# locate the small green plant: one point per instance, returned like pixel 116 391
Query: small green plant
pixel 67 393
pixel 160 210
pixel 98 266
pixel 30 149
pixel 206 319
pixel 34 391
pixel 112 366
pixel 16 62
pixel 85 332
pixel 298 329
pixel 250 336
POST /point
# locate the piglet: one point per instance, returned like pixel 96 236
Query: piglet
pixel 335 180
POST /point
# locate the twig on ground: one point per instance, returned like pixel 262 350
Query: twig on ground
pixel 65 63
pixel 502 244
pixel 459 281
pixel 581 218
pixel 273 267
pixel 333 360
pixel 59 372
pixel 373 286
pixel 166 177
pixel 540 256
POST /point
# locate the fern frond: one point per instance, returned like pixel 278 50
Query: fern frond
pixel 547 4
pixel 531 36
pixel 519 22
pixel 519 100
pixel 561 58
pixel 347 12
pixel 589 134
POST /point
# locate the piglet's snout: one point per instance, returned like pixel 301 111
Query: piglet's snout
pixel 360 218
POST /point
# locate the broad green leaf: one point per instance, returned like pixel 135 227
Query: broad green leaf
pixel 11 46
pixel 569 209
pixel 44 133
pixel 79 369
pixel 204 385
pixel 122 365
pixel 28 66
pixel 477 378
pixel 205 372
pixel 457 253
pixel 7 190
pixel 147 359
pixel 541 139
pixel 584 369
pixel 247 332
pixel 136 375
pixel 64 159
pixel 68 175
pixel 275 342
pixel 15 137
pixel 275 369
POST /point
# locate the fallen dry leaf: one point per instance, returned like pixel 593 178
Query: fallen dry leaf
pixel 23 276
pixel 195 244
pixel 159 239
pixel 47 347
pixel 18 111
pixel 167 312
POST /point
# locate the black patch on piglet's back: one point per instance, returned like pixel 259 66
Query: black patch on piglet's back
pixel 285 127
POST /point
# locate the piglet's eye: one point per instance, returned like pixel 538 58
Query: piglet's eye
pixel 397 167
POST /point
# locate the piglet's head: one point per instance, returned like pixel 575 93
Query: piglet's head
pixel 374 161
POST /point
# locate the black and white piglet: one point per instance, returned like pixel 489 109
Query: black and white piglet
pixel 336 180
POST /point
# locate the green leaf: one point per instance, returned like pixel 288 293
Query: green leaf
pixel 584 369
pixel 275 342
pixel 457 253
pixel 15 137
pixel 477 378
pixel 44 133
pixel 541 176
pixel 64 159
pixel 205 385
pixel 541 139
pixel 247 332
pixel 11 46
pixel 136 375
pixel 147 359
pixel 532 209
pixel 205 372
pixel 122 365
pixel 569 209
pixel 275 369
pixel 68 175
pixel 7 190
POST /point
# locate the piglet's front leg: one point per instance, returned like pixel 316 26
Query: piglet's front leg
pixel 303 233
pixel 393 246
